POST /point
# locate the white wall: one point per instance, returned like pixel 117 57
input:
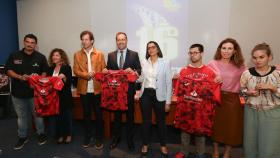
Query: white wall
pixel 256 21
pixel 58 23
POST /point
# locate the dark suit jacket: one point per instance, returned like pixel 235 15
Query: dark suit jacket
pixel 65 95
pixel 131 61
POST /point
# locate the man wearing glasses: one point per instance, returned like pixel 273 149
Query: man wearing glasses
pixel 197 94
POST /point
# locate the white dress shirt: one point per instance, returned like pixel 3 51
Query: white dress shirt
pixel 90 85
pixel 55 73
pixel 151 75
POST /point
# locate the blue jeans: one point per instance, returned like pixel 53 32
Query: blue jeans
pixel 24 108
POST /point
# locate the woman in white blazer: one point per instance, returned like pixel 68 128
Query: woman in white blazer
pixel 156 91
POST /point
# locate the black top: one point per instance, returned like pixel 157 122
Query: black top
pixel 131 61
pixel 65 95
pixel 253 71
pixel 22 63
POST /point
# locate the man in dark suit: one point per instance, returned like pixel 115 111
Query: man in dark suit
pixel 128 60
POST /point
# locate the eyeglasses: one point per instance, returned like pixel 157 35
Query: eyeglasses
pixel 193 53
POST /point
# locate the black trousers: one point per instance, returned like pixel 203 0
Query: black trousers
pixel 117 129
pixel 60 125
pixel 64 122
pixel 149 102
pixel 90 102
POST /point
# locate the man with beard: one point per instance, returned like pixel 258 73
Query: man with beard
pixel 20 66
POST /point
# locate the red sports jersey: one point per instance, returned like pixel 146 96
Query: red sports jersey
pixel 197 96
pixel 46 98
pixel 114 85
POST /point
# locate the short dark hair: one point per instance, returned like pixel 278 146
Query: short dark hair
pixel 197 45
pixel 158 48
pixel 32 36
pixel 86 32
pixel 119 33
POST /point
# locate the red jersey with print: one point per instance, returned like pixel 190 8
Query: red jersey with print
pixel 114 85
pixel 197 97
pixel 46 98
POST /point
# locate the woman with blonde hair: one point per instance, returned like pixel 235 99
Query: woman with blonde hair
pixel 261 86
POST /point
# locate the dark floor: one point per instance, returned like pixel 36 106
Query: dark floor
pixel 8 137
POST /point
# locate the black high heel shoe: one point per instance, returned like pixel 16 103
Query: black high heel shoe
pixel 164 155
pixel 68 140
pixel 59 140
pixel 144 154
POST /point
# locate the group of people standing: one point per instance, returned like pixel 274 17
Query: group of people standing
pixel 257 128
pixel 28 62
pixel 260 86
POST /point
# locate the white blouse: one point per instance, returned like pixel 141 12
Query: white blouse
pixel 150 74
pixel 266 99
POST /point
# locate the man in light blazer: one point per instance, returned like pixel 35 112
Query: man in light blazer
pixel 128 60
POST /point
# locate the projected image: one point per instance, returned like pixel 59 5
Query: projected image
pixel 174 24
pixel 157 28
pixel 160 20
